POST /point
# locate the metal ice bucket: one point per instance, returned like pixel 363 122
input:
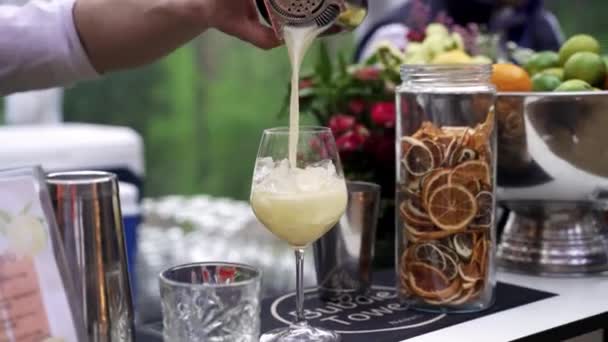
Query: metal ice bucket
pixel 553 177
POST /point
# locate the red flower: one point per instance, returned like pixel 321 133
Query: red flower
pixel 350 141
pixel 384 114
pixel 415 36
pixel 341 123
pixel 357 106
pixel 306 83
pixel 362 131
pixel 367 74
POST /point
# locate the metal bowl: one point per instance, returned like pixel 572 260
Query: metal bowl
pixel 553 177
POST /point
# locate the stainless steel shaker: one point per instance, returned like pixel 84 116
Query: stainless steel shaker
pixel 335 15
pixel 344 256
pixel 88 214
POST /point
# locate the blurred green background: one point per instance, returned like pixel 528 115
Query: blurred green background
pixel 201 111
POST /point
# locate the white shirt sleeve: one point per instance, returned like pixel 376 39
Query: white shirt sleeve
pixel 40 48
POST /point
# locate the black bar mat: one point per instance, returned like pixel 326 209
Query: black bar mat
pixel 379 316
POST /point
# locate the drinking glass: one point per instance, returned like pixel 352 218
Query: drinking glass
pixel 299 199
pixel 213 302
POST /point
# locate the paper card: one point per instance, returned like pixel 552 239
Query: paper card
pixel 34 297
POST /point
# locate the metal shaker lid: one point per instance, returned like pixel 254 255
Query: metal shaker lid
pixel 82 184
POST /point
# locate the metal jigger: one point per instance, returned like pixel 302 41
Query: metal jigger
pixel 344 256
pixel 88 215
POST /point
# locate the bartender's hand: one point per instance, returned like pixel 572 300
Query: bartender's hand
pixel 119 34
pixel 239 18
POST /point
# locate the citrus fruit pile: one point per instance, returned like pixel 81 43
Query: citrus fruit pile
pixel 440 46
pixel 577 66
pixel 446 210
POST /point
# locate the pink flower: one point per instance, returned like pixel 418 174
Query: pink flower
pixel 384 114
pixel 341 123
pixel 356 106
pixel 367 74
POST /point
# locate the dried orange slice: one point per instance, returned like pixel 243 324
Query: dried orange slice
pixel 449 151
pixel 449 300
pixel 452 207
pixel 436 179
pixel 485 210
pixel 429 282
pixel 414 218
pixel 428 129
pixel 429 253
pixel 417 159
pixel 464 297
pixel 470 272
pixel 469 171
pixel 436 150
pixel 415 201
pixel 451 266
pixel 413 182
pixel 424 233
pixel 484 257
pixel 463 245
pixel 462 155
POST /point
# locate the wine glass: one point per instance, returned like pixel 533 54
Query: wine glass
pixel 299 199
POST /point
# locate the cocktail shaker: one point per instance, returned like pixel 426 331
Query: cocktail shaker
pixel 87 210
pixel 344 256
pixel 335 15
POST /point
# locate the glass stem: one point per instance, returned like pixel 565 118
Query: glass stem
pixel 300 286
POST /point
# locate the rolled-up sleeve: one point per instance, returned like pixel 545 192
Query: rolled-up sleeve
pixel 40 47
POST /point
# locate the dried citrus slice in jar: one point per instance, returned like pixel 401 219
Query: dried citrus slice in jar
pixel 485 210
pixel 413 216
pixel 429 282
pixel 462 155
pixel 452 207
pixel 464 296
pixel 417 158
pixel 436 179
pixel 429 253
pixel 463 245
pixel 471 272
pixel 471 171
pixel 436 150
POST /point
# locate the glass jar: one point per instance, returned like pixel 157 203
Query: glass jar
pixel 445 190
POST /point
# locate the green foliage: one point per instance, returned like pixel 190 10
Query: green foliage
pixel 157 101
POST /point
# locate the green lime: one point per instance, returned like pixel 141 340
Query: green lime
pixel 586 66
pixel 574 85
pixel 545 82
pixel 541 61
pixel 558 72
pixel 578 43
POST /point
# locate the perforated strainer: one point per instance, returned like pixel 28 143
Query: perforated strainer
pixel 301 12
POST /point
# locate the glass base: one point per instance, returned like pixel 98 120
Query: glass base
pixel 301 332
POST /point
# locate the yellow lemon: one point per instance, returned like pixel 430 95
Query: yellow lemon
pixel 453 57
